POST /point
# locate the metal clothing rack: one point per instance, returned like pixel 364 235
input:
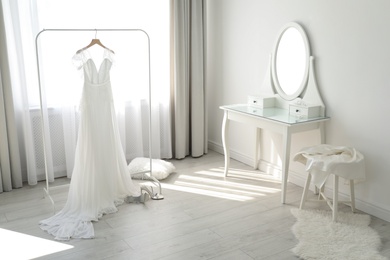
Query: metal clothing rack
pixel 155 196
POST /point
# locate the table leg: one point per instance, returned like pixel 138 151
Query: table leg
pixel 285 162
pixel 322 132
pixel 321 128
pixel 225 141
pixel 257 149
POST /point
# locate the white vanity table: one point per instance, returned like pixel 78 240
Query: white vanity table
pixel 289 101
pixel 273 119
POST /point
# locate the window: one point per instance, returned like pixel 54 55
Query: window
pixel 131 71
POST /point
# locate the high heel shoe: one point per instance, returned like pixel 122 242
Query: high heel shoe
pixel 145 196
pixel 152 194
pixel 147 190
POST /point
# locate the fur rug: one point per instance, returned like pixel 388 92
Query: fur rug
pixel 348 238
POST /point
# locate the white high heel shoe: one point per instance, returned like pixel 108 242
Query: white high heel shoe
pixel 146 194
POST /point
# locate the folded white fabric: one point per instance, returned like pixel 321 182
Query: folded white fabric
pixel 322 160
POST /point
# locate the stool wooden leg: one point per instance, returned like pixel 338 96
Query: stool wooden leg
pixel 335 197
pixel 305 190
pixel 352 190
pixel 320 192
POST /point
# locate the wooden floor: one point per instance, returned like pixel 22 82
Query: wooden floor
pixel 203 216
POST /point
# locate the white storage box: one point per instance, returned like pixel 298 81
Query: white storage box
pixel 306 111
pixel 261 102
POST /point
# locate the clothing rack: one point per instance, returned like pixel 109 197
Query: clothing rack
pixel 155 196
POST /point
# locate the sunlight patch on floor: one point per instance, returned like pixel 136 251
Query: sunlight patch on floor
pixel 33 247
pixel 240 173
pixel 213 183
pixel 206 192
pixel 218 188
pixel 226 183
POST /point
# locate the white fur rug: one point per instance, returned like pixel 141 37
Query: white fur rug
pixel 348 238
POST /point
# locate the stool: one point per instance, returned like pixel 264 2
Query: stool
pixel 325 160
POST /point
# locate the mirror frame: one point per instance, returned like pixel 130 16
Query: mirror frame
pixel 304 81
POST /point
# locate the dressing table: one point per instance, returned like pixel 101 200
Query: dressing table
pixel 289 101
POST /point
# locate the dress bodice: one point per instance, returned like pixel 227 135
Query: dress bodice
pixel 92 74
pixel 95 76
pixel 97 90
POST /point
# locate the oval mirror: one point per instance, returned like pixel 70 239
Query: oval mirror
pixel 290 61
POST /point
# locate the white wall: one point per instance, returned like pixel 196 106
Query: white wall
pixel 350 40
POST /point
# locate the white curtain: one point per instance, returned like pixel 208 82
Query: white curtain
pixel 62 82
pixel 14 116
pixel 188 88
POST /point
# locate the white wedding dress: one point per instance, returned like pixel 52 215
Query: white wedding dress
pixel 100 180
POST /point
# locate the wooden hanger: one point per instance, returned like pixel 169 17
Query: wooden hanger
pixel 93 42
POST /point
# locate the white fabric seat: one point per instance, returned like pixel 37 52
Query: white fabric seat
pixel 324 160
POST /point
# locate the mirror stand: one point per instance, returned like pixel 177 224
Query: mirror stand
pixel 312 94
pixel 310 98
pixel 281 89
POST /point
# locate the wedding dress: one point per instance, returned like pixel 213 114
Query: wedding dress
pixel 100 180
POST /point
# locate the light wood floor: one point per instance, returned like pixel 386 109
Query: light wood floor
pixel 203 216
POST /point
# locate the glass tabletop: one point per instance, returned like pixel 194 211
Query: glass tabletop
pixel 273 113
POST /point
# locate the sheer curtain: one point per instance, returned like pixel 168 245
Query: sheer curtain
pixel 187 84
pixel 62 82
pixel 14 116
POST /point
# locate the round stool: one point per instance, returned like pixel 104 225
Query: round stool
pixel 324 160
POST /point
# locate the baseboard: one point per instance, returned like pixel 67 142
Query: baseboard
pixel 233 154
pixel 298 179
pixel 374 210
